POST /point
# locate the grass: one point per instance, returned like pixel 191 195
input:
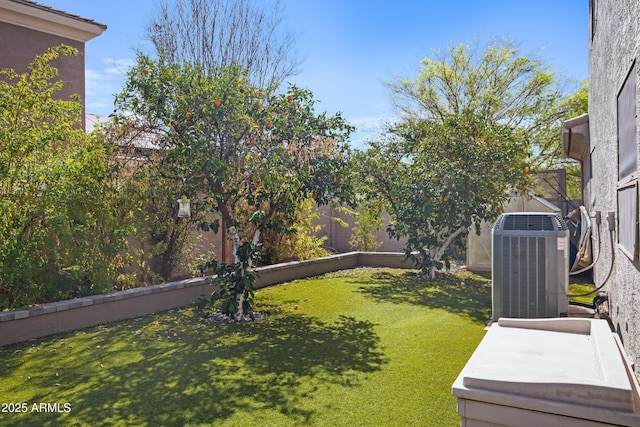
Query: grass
pixel 582 284
pixel 363 347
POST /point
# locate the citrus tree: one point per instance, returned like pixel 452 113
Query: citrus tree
pixel 246 154
pixel 439 177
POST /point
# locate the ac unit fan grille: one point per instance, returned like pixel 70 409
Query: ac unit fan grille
pixel 533 222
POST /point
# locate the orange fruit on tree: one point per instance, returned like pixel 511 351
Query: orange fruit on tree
pixel 187 116
pixel 217 102
pixel 269 125
pixel 289 98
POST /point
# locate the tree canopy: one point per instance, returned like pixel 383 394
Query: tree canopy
pixel 249 155
pixel 495 81
pixel 474 123
pixel 441 177
pixel 59 230
pixel 219 34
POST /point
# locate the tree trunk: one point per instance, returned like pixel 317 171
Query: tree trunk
pixel 437 254
pixel 235 241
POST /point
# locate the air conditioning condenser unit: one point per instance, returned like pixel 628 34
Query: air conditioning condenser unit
pixel 530 266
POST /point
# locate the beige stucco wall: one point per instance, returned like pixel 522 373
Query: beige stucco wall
pixel 338 236
pixel 614 34
pixel 29 29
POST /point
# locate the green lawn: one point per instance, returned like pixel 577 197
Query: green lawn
pixel 582 284
pixel 364 347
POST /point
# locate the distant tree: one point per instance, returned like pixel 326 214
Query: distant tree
pixel 439 177
pixel 474 123
pixel 245 153
pixel 60 229
pixel 497 82
pixel 300 242
pixel 577 103
pixel 368 219
pixel 216 34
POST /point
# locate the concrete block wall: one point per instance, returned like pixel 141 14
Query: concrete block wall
pixel 49 319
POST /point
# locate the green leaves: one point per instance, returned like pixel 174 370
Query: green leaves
pixel 497 81
pixel 213 226
pixel 251 152
pixel 439 178
pixel 60 234
pixel 243 153
pixel 235 279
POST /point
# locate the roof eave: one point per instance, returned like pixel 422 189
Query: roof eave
pixel 575 137
pixel 42 18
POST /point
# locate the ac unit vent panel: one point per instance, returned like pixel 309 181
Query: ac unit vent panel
pixel 524 294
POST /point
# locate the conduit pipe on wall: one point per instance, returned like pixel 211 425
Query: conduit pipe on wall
pixel 586 236
pixel 613 258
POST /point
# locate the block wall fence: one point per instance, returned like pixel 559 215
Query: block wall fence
pixel 58 317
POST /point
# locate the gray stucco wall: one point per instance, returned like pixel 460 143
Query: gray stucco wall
pixel 614 34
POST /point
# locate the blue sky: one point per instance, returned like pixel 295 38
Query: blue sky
pixel 350 48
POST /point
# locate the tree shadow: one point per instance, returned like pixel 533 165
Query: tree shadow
pixel 179 369
pixel 467 294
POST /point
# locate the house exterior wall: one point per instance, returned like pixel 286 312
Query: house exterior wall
pixel 614 47
pixel 21 45
pixel 29 28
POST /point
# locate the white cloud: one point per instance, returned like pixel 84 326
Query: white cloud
pixel 118 66
pixel 102 81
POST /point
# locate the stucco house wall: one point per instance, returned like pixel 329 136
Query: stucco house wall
pixel 614 48
pixel 27 29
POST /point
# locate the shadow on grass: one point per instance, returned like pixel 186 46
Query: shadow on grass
pixel 177 369
pixel 460 293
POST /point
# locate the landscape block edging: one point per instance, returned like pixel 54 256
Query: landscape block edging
pixel 63 316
